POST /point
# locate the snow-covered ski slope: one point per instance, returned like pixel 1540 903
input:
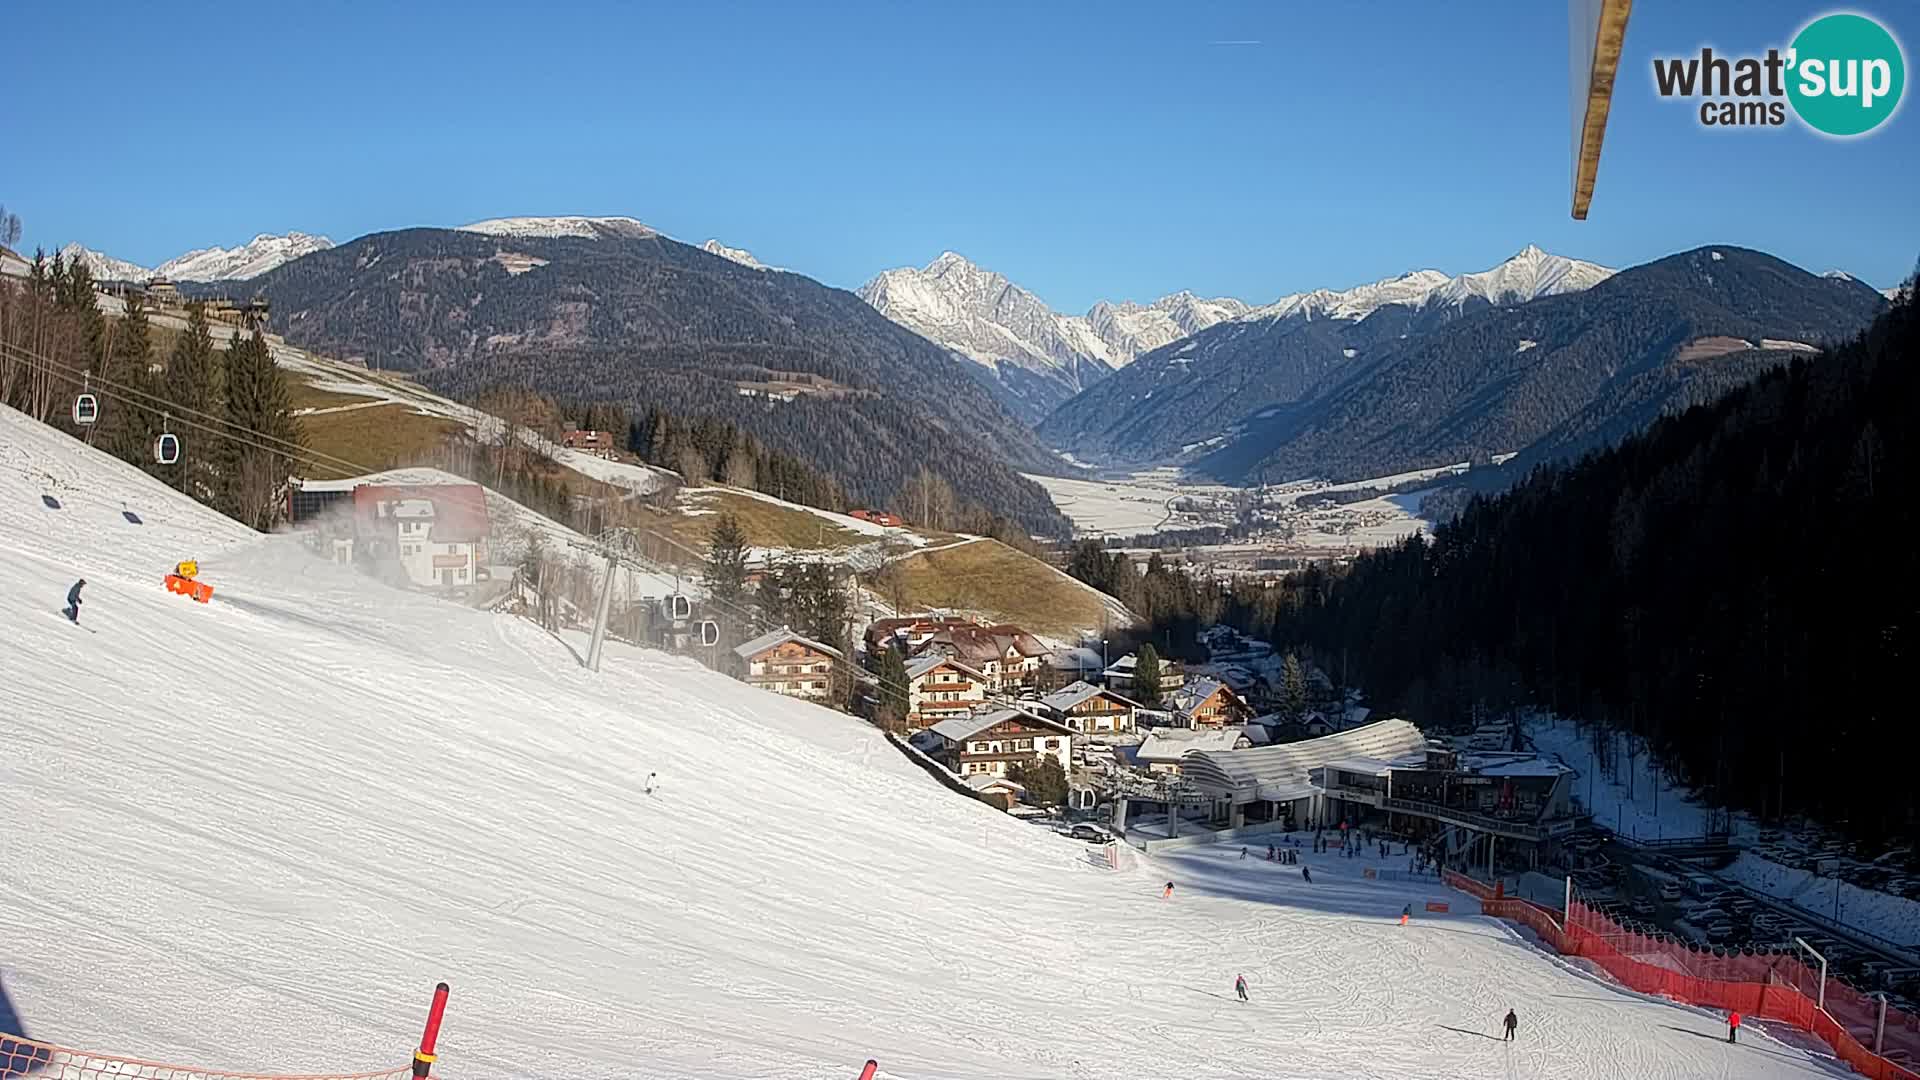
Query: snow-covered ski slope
pixel 253 834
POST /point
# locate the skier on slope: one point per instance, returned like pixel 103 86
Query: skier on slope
pixel 1240 986
pixel 1169 893
pixel 652 782
pixel 1512 1022
pixel 1306 874
pixel 1405 914
pixel 73 601
pixel 1733 1026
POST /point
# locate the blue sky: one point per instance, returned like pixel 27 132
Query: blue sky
pixel 1115 150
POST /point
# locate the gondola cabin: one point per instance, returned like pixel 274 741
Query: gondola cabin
pixel 86 409
pixel 166 449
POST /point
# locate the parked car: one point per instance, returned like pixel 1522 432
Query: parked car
pixel 1091 833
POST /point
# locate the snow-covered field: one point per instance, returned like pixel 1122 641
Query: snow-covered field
pixel 253 834
pixel 1111 508
pixel 1145 502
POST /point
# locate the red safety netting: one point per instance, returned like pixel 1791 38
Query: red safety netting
pixel 1773 986
pixel 45 1061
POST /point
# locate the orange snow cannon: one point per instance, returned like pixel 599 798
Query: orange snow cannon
pixel 198 590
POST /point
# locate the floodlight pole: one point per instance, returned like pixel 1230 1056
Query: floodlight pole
pixel 1802 942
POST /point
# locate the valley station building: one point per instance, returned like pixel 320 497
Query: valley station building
pixel 1385 775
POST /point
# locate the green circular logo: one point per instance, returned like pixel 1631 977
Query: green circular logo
pixel 1846 76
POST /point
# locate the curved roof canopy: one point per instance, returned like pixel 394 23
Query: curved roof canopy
pixel 1279 773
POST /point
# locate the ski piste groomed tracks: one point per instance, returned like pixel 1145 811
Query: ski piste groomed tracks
pixel 245 835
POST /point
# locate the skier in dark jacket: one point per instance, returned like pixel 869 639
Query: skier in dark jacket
pixel 1240 986
pixel 1306 874
pixel 1512 1022
pixel 73 600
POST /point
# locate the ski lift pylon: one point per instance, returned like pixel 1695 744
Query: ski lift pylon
pixel 166 448
pixel 86 407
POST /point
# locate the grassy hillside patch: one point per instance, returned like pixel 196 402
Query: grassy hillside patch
pixel 377 438
pixel 307 396
pixel 767 524
pixel 990 578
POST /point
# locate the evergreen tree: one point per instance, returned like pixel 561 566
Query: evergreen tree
pixel 258 459
pixel 727 561
pixel 892 671
pixel 191 381
pixel 126 427
pixel 1045 780
pixel 1146 676
pixel 1293 688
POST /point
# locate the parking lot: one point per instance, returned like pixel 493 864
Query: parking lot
pixel 1650 893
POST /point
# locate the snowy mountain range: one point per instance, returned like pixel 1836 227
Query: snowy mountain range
pixel 590 228
pixel 1540 352
pixel 249 260
pixel 1528 275
pixel 1033 356
pixel 1188 397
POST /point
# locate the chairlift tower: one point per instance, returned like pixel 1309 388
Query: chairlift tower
pixel 624 547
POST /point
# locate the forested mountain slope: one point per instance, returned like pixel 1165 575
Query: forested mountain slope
pixel 1505 378
pixel 629 316
pixel 1738 584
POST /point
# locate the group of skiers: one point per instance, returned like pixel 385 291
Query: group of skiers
pixel 1282 855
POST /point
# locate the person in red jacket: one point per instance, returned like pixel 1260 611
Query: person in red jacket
pixel 1733 1026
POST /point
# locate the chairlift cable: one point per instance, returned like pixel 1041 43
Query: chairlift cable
pixel 286 448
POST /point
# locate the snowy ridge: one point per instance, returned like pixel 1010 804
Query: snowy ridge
pixel 249 260
pixel 988 319
pixel 1530 274
pixel 734 254
pixel 591 228
pixel 362 791
pixel 104 267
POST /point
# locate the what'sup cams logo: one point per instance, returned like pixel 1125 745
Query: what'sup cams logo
pixel 1842 76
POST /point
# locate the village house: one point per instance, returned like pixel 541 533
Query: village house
pixel 908 633
pixel 1065 667
pixel 162 293
pixel 437 533
pixel 1208 703
pixel 786 663
pixel 1163 750
pixel 1119 675
pixel 1008 656
pixel 939 688
pixel 996 791
pixel 1090 709
pixel 989 745
pixel 878 517
pixel 597 443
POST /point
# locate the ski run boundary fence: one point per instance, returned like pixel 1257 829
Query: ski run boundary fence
pixel 24 1058
pixel 1769 986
